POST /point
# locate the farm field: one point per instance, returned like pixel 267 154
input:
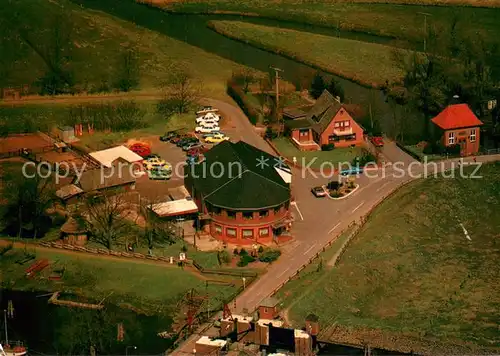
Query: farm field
pixel 353 60
pixel 411 277
pixel 97 42
pixel 385 18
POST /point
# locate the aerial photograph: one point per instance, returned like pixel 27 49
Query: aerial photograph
pixel 249 177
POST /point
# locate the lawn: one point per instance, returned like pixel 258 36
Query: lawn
pixel 325 158
pixel 146 286
pixel 386 18
pixel 98 43
pixel 411 279
pixel 353 60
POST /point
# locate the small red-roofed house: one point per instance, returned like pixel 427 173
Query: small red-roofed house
pixel 458 125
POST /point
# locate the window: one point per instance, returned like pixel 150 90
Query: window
pixel 451 138
pixel 231 214
pixel 218 229
pixel 247 215
pixel 247 233
pixel 216 210
pixel 265 310
pixel 263 213
pixel 304 132
pixel 350 137
pixel 347 123
pixel 333 138
pixel 231 232
pixel 472 136
pixel 277 210
pixel 264 232
pixel 337 124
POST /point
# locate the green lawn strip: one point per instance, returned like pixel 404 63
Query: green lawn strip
pixel 123 281
pixel 420 153
pixel 385 19
pixel 411 269
pixel 307 280
pixel 98 41
pixel 318 158
pixel 365 63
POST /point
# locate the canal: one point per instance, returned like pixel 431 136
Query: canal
pixel 192 29
pixel 50 329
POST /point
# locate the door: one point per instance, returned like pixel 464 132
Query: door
pixel 463 146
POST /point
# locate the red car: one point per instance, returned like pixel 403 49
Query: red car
pixel 141 149
pixel 377 141
pixel 197 151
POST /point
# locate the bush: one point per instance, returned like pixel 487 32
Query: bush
pixel 245 260
pixel 327 147
pixel 167 107
pixel 365 158
pixel 224 257
pixel 270 133
pixel 261 249
pixel 334 185
pixel 453 150
pixel 270 256
pixel 235 251
pixel 235 92
pixel 243 252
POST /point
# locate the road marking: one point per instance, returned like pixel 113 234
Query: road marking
pixel 309 249
pixel 333 228
pixel 382 186
pixel 356 208
pixel 282 273
pixel 298 210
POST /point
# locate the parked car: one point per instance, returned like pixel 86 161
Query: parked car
pixel 160 174
pixel 196 151
pixel 202 129
pixel 205 110
pixel 216 138
pixel 192 159
pixel 186 140
pixel 152 156
pixel 210 123
pixel 378 141
pixel 210 134
pixel 319 192
pixel 168 136
pixel 191 145
pixel 351 171
pixel 208 117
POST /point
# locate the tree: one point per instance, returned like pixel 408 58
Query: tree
pixel 336 90
pixel 27 202
pixel 244 78
pixel 128 70
pixel 317 86
pixel 106 217
pixel 182 91
pixel 155 229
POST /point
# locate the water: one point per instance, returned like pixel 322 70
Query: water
pixel 51 329
pixel 192 29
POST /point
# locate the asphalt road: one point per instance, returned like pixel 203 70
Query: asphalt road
pixel 320 220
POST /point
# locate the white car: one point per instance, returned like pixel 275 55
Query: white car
pixel 208 123
pixel 208 117
pixel 204 129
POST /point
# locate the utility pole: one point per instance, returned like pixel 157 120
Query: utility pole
pixel 277 77
pixel 425 14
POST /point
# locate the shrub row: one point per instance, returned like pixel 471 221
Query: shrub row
pixel 236 92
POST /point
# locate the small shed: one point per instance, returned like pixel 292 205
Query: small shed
pixel 69 193
pixel 268 308
pixel 66 133
pixel 74 231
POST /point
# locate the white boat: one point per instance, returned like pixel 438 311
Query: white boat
pixel 206 110
pixel 9 347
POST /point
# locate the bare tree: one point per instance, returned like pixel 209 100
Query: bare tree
pixel 156 230
pixel 106 217
pixel 181 92
pixel 28 200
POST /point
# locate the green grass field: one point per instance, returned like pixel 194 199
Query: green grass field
pixel 353 60
pixel 411 272
pixel 145 286
pixel 319 158
pixel 98 39
pixel 383 18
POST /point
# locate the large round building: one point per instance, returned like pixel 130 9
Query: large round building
pixel 243 193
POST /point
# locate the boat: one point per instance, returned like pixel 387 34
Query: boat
pixel 9 347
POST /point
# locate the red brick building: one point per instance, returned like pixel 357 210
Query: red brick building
pixel 327 122
pixel 243 193
pixel 458 125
